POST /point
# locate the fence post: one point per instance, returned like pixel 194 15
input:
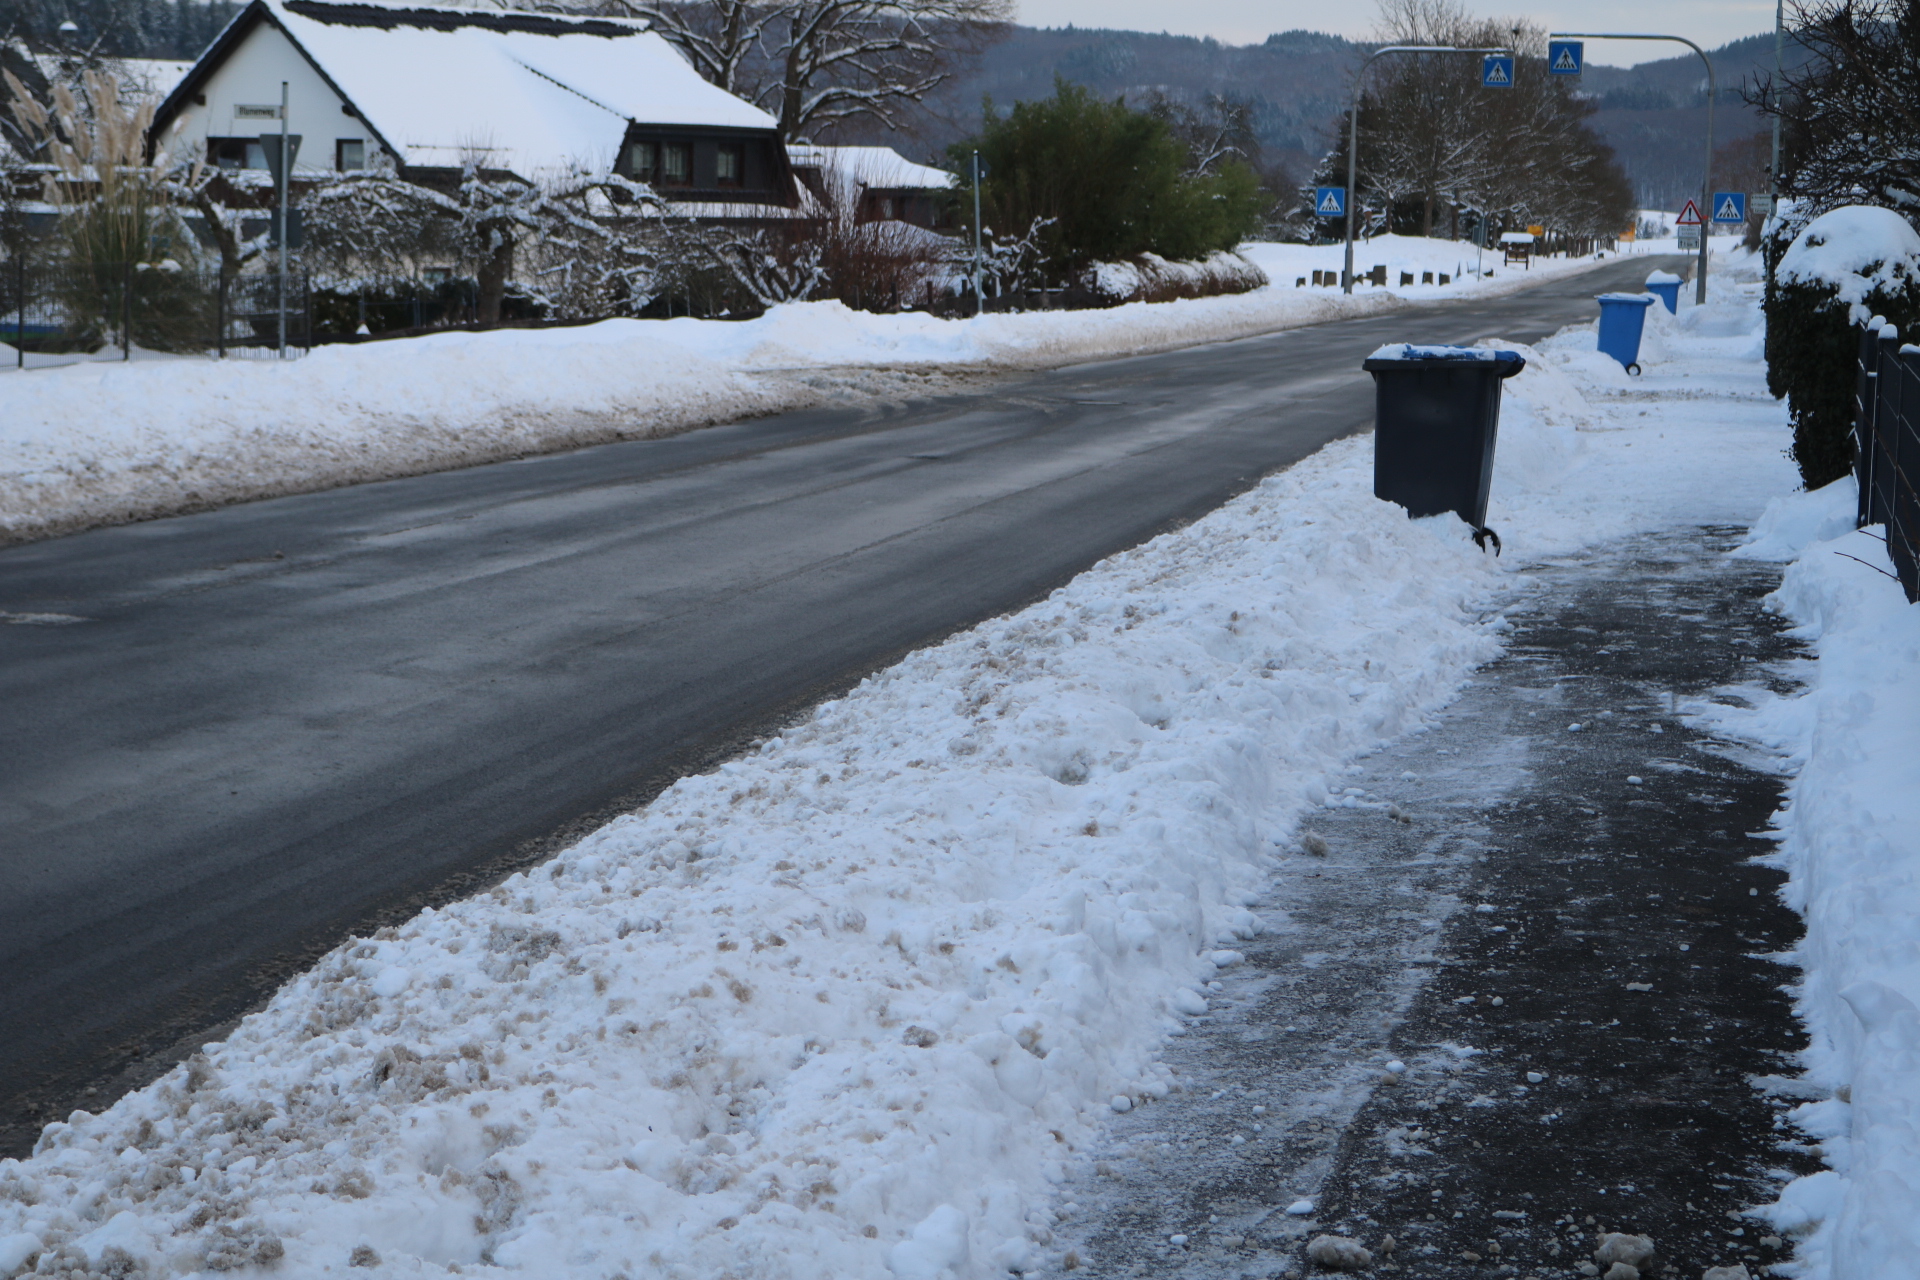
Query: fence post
pixel 20 320
pixel 220 316
pixel 126 311
pixel 1902 368
pixel 1865 403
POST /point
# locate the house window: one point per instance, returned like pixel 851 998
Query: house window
pixel 642 159
pixel 349 155
pixel 730 164
pixel 236 153
pixel 676 165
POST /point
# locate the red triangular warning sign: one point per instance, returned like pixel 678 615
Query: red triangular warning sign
pixel 1690 216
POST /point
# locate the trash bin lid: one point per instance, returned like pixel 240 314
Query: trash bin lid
pixel 1408 355
pixel 1663 277
pixel 1637 299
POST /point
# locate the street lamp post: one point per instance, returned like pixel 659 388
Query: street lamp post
pixel 1353 129
pixel 1706 175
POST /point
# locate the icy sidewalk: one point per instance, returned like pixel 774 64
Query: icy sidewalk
pixel 1557 881
pixel 106 443
pixel 851 1005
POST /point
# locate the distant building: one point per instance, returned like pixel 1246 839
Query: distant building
pixel 426 91
pixel 880 183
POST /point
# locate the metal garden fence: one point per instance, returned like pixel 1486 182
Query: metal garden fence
pixel 61 311
pixel 1887 447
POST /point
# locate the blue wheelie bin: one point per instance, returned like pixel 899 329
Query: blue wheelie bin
pixel 1665 286
pixel 1623 316
pixel 1436 412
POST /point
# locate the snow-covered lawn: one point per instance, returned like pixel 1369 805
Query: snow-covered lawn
pixel 104 442
pixel 850 1005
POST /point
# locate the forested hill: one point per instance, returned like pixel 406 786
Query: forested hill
pixel 117 28
pixel 1297 83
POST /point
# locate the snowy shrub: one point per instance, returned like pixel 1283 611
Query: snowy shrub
pixel 1150 278
pixel 1844 268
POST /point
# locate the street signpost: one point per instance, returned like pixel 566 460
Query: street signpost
pixel 1566 57
pixel 1713 93
pixel 1496 71
pixel 1688 224
pixel 1729 206
pixel 282 150
pixel 1329 202
pixel 1761 202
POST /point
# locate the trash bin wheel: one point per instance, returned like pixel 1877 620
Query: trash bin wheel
pixel 1633 370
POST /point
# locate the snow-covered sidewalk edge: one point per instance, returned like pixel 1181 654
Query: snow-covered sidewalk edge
pixel 1849 840
pixel 99 444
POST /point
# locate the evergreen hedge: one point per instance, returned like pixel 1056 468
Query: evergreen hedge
pixel 1813 350
pixel 1115 182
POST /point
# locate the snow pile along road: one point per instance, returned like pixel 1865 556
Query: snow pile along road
pixel 106 443
pixel 849 1003
pixel 847 1006
pixel 1850 843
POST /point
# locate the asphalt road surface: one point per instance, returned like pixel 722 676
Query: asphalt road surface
pixel 271 726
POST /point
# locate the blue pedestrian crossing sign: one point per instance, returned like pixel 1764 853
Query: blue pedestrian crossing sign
pixel 1729 206
pixel 1330 202
pixel 1564 57
pixel 1496 72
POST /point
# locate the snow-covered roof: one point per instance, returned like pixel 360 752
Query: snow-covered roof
pixel 530 92
pixel 155 76
pixel 875 168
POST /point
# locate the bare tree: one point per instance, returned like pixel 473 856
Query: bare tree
pixel 814 63
pixel 1433 137
pixel 721 38
pixel 1851 112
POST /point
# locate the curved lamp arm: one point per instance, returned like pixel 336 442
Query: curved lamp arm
pixel 1706 174
pixel 1353 128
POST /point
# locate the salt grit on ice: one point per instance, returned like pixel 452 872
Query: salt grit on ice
pixel 847 1006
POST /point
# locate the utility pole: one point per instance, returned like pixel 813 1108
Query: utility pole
pixel 1773 169
pixel 1353 130
pixel 285 175
pixel 979 302
pixel 1706 174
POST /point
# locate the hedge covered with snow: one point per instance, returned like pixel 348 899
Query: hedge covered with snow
pixel 1845 267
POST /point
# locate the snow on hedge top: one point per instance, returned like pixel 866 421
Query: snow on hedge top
pixel 527 99
pixel 1855 250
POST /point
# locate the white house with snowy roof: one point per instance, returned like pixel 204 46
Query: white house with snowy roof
pixel 426 91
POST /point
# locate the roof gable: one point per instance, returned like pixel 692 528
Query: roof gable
pixel 522 91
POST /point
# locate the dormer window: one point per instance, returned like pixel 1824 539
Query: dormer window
pixel 676 165
pixel 643 159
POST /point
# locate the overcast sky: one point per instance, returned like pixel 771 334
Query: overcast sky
pixel 1709 22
